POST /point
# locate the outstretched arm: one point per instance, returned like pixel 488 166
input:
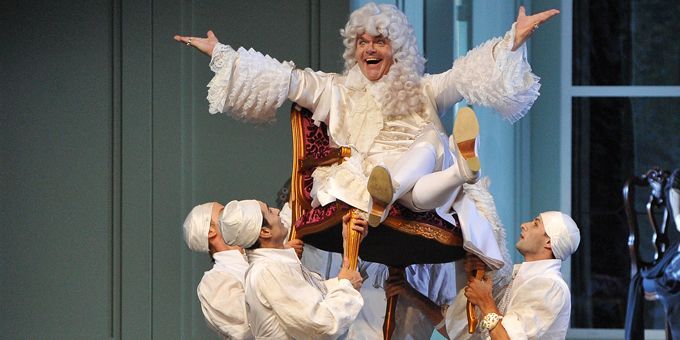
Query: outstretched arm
pixel 204 45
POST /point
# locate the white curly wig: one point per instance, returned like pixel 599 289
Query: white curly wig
pixel 402 93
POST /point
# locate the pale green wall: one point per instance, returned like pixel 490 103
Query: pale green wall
pixel 106 143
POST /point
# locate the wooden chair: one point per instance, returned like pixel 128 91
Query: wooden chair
pixel 654 183
pixel 405 238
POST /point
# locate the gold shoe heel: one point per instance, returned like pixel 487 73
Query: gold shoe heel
pixel 380 187
pixel 466 132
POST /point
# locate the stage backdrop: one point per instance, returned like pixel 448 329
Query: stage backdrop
pixel 106 144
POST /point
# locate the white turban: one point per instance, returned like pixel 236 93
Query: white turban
pixel 563 233
pixel 196 227
pixel 240 223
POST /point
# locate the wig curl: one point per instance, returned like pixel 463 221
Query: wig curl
pixel 403 78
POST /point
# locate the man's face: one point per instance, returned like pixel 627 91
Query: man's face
pixel 216 244
pixel 273 222
pixel 374 56
pixel 532 237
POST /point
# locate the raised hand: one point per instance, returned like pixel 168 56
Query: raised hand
pixel 352 275
pixel 472 263
pixel 526 25
pixel 205 45
pixel 396 284
pixel 360 225
pixel 479 292
pixel 296 244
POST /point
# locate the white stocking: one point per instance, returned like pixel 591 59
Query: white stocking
pixel 435 189
pixel 418 161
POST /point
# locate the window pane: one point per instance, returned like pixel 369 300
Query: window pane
pixel 614 139
pixel 628 42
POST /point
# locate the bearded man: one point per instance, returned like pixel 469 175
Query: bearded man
pixel 384 107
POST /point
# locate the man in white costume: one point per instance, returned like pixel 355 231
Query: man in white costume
pixel 284 299
pixel 220 291
pixel 537 302
pixel 384 107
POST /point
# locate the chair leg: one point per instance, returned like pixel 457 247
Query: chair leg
pixel 470 308
pixel 391 309
pixel 353 240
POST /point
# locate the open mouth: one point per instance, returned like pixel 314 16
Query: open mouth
pixel 373 61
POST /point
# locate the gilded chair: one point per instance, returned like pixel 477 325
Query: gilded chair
pixel 404 238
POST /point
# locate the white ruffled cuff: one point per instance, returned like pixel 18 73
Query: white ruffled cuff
pixel 497 77
pixel 247 85
pixel 221 55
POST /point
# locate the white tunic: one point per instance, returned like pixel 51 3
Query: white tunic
pixel 538 304
pixel 282 304
pixel 222 297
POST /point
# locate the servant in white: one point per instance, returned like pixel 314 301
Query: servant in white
pixel 221 288
pixel 537 303
pixel 284 299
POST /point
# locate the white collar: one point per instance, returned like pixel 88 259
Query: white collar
pixel 286 255
pixel 529 269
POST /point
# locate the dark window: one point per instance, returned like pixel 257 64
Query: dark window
pixel 626 42
pixel 613 139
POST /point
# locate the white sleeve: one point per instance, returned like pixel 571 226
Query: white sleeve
pixel 534 307
pixel 223 303
pixel 490 75
pixel 247 85
pixel 302 310
pixel 312 90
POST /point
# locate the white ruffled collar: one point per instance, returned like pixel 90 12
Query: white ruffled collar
pixel 355 79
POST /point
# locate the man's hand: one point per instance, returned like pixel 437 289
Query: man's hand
pixel 360 225
pixel 526 25
pixel 205 45
pixel 471 264
pixel 396 284
pixel 478 292
pixel 296 244
pixel 352 275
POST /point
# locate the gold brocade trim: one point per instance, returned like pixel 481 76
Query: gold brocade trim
pixel 424 230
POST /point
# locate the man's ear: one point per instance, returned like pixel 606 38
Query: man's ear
pixel 212 231
pixel 265 233
pixel 548 245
